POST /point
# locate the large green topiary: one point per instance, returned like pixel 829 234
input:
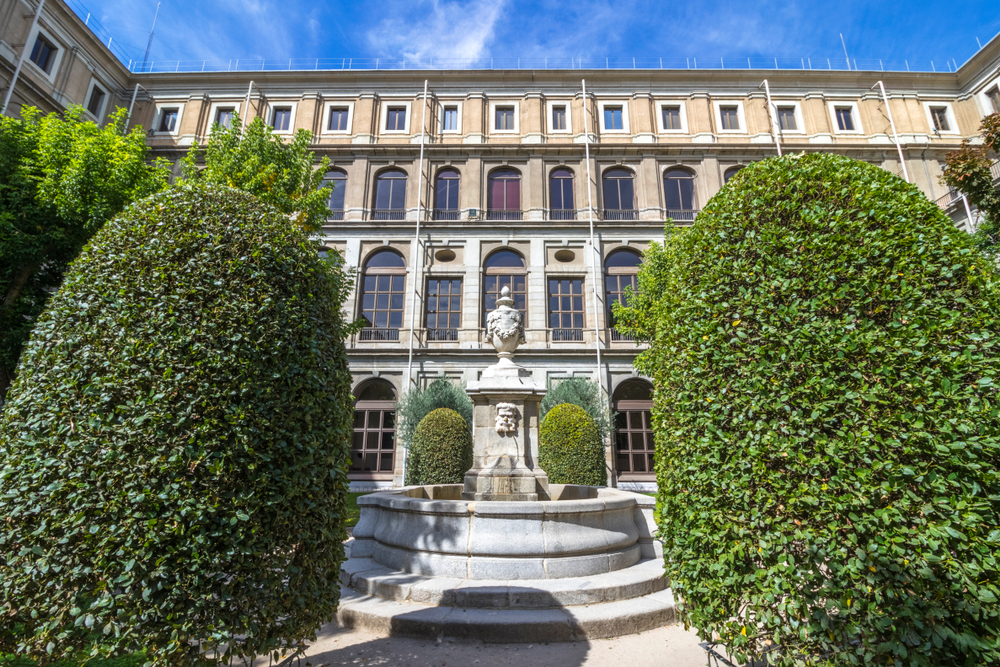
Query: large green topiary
pixel 174 451
pixel 570 449
pixel 825 354
pixel 442 449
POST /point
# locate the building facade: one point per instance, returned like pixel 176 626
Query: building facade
pixel 515 178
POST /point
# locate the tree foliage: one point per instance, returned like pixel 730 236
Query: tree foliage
pixel 284 174
pixel 61 178
pixel 418 403
pixel 968 171
pixel 174 452
pixel 442 449
pixel 582 392
pixel 570 447
pixel 824 346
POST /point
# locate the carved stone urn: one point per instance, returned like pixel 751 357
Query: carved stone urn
pixel 505 327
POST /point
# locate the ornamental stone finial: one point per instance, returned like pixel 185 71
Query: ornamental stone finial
pixel 505 327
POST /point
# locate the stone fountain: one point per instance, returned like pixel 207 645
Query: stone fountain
pixel 506 556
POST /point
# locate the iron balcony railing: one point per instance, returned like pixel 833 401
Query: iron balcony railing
pixel 619 337
pixel 682 215
pixel 503 215
pixel 388 214
pixel 613 214
pixel 567 335
pixel 442 334
pixel 335 215
pixel 562 214
pixel 446 214
pixel 378 334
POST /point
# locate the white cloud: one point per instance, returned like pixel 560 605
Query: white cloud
pixel 436 29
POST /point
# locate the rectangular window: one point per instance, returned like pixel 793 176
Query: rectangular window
pixel 672 118
pixel 786 119
pixel 558 118
pixel 845 119
pixel 224 116
pixel 96 99
pixel 168 120
pixel 994 96
pixel 282 119
pixel 43 54
pixel 450 120
pixel 444 308
pixel 338 119
pixel 730 117
pixel 504 118
pixel 613 119
pixel 939 115
pixel 566 309
pixel 395 120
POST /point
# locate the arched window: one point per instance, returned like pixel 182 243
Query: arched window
pixel 732 171
pixel 634 449
pixel 561 195
pixel 374 443
pixel 622 270
pixel 390 195
pixel 619 195
pixel 505 268
pixel 382 294
pixel 678 191
pixel 337 179
pixel 504 195
pixel 446 195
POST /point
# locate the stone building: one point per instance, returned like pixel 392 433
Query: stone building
pixel 512 178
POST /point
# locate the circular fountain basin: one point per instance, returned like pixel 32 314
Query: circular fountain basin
pixel 429 530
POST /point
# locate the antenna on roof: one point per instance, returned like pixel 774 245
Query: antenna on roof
pixel 150 42
pixel 842 43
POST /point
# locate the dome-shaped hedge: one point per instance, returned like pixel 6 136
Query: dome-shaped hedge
pixel 173 454
pixel 825 353
pixel 441 452
pixel 570 450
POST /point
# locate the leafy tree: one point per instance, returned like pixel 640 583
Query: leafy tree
pixel 825 351
pixel 174 451
pixel 570 447
pixel 968 171
pixel 61 178
pixel 418 403
pixel 442 449
pixel 283 174
pixel 579 391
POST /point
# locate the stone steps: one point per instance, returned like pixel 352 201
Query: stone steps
pixel 367 577
pixel 527 625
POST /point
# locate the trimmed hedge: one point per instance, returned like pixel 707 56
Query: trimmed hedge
pixel 441 451
pixel 570 449
pixel 174 451
pixel 579 391
pixel 825 354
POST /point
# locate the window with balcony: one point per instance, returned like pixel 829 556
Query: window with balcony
pixel 168 120
pixel 43 54
pixel 939 117
pixel 729 117
pixel 786 119
pixel 671 116
pixel 444 308
pixel 281 119
pixel 678 193
pixel 621 270
pixel 395 119
pixel 845 118
pixel 336 179
pixel 338 119
pixel 382 295
pixel 446 195
pixel 614 118
pixel 993 95
pixel 619 195
pixel 504 195
pixel 634 447
pixel 374 445
pixel 505 268
pixel 558 118
pixel 561 195
pixel 224 116
pixel 390 195
pixel 449 122
pixel 566 309
pixel 96 101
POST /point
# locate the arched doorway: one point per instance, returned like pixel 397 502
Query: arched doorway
pixel 634 449
pixel 373 448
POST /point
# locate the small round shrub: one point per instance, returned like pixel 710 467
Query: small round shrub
pixel 174 451
pixel 416 404
pixel 578 391
pixel 826 353
pixel 570 449
pixel 442 449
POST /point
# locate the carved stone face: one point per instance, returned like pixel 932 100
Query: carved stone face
pixel 506 421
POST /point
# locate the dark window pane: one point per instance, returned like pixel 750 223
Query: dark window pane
pixel 845 119
pixel 96 98
pixel 504 259
pixel 623 259
pixel 558 118
pixel 385 462
pixel 671 118
pixel 786 118
pixel 338 119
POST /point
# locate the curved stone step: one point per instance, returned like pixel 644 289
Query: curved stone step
pixel 597 621
pixel 369 578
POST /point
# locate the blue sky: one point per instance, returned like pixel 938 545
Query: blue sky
pixel 915 30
